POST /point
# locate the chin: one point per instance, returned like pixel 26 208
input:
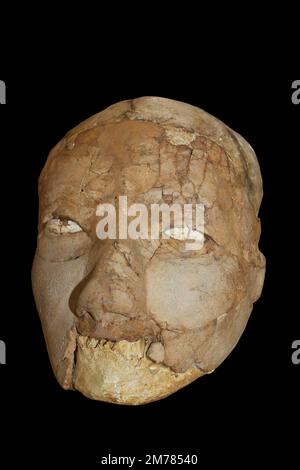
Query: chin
pixel 121 373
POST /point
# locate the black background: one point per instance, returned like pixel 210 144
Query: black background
pixel 248 409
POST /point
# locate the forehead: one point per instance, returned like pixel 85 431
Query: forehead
pixel 87 167
pixel 96 151
pixel 146 161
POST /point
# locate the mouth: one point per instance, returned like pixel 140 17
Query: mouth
pixel 117 327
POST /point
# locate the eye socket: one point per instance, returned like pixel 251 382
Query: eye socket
pixel 184 233
pixel 63 239
pixel 60 227
pixel 194 239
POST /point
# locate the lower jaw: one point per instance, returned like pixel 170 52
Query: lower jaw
pixel 120 372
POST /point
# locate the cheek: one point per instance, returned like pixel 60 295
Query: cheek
pixel 53 284
pixel 187 293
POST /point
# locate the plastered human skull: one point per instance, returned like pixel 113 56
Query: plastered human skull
pixel 131 321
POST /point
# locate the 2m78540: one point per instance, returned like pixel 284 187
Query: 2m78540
pixel 163 459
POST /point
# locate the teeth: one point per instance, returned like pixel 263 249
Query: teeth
pixel 153 370
pixel 92 342
pixel 156 352
pixel 129 349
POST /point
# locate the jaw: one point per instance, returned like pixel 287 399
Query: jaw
pixel 120 372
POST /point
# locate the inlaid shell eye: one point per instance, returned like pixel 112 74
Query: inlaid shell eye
pixel 59 226
pixel 184 233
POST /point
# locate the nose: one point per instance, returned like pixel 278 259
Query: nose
pixel 110 288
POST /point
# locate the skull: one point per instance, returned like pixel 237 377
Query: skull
pixel 132 320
